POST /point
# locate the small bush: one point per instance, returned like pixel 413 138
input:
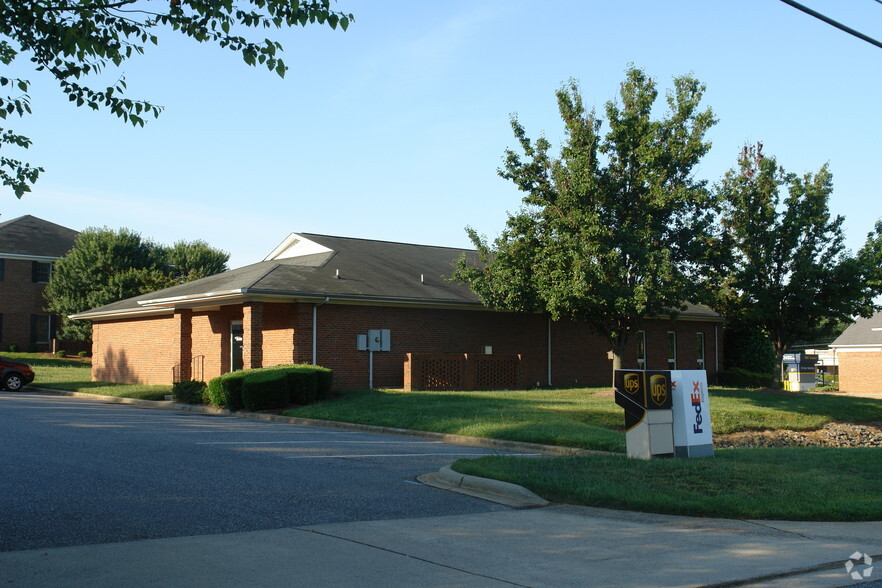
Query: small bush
pixel 325 379
pixel 61 353
pixel 188 391
pixel 741 378
pixel 303 384
pixel 225 391
pixel 13 348
pixel 265 390
pixel 82 354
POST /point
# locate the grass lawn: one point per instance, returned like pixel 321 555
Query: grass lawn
pixel 75 375
pixel 786 483
pixel 587 418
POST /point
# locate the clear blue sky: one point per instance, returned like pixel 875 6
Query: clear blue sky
pixel 395 129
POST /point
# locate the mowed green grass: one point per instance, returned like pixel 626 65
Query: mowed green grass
pixel 786 483
pixel 75 375
pixel 586 418
pixel 570 418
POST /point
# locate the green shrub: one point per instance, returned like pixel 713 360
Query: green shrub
pixel 188 391
pixel 82 354
pixel 325 379
pixel 265 389
pixel 61 353
pixel 741 378
pixel 749 348
pixel 304 384
pixel 225 391
pixel 13 348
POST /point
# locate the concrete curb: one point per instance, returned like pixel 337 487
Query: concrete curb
pixel 501 444
pixel 493 490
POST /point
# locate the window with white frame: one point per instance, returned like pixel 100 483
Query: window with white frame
pixel 672 350
pixel 641 349
pixel 699 349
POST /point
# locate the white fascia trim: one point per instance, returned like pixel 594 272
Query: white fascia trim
pixel 851 348
pixel 120 314
pixel 192 297
pixel 27 257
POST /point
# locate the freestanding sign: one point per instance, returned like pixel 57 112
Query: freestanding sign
pixel 667 413
pixel 646 398
pixel 692 422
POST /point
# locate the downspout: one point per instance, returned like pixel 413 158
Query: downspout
pixel 716 356
pixel 549 351
pixel 314 327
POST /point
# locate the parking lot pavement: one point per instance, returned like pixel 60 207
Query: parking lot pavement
pixel 81 470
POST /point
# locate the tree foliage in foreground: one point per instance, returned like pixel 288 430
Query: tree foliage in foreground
pixel 785 267
pixel 613 230
pixel 105 266
pixel 72 40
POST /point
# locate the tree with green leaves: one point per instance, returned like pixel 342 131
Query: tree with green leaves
pixel 73 40
pixel 784 265
pixel 612 231
pixel 105 266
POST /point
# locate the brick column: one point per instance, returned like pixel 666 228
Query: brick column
pixel 184 319
pixel 252 334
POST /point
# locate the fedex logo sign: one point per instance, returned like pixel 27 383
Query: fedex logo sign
pixel 695 397
pixel 692 418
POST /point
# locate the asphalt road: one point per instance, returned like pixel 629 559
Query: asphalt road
pixel 79 471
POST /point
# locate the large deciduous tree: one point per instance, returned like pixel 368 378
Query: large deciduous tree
pixel 72 40
pixel 785 266
pixel 612 230
pixel 105 266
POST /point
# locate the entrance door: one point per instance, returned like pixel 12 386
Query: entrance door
pixel 236 343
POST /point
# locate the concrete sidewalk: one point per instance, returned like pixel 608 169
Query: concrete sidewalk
pixel 551 546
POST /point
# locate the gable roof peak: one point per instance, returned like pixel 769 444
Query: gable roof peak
pixel 296 245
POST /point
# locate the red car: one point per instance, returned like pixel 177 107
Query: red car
pixel 14 375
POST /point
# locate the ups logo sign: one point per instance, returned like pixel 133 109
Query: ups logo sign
pixel 632 383
pixel 658 389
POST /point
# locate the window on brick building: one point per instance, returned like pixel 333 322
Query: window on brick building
pixel 672 350
pixel 41 328
pixel 2 268
pixel 1 326
pixel 641 349
pixel 699 349
pixel 41 271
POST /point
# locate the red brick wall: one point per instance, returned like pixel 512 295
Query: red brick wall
pixel 136 351
pixel 211 339
pixel 860 371
pixel 278 333
pixel 19 299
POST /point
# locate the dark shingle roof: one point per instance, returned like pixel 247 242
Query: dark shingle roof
pixel 31 236
pixel 341 268
pixel 862 333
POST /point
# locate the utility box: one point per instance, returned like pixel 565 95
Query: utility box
pixel 799 371
pixel 379 340
pixel 646 398
pixel 667 413
pixel 692 421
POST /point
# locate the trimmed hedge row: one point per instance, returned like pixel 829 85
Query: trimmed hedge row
pixel 270 387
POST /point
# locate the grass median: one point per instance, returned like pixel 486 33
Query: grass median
pixel 75 375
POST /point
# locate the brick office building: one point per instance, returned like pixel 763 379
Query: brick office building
pixel 859 351
pixel 312 297
pixel 28 248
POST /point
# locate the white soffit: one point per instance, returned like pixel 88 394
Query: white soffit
pixel 296 246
